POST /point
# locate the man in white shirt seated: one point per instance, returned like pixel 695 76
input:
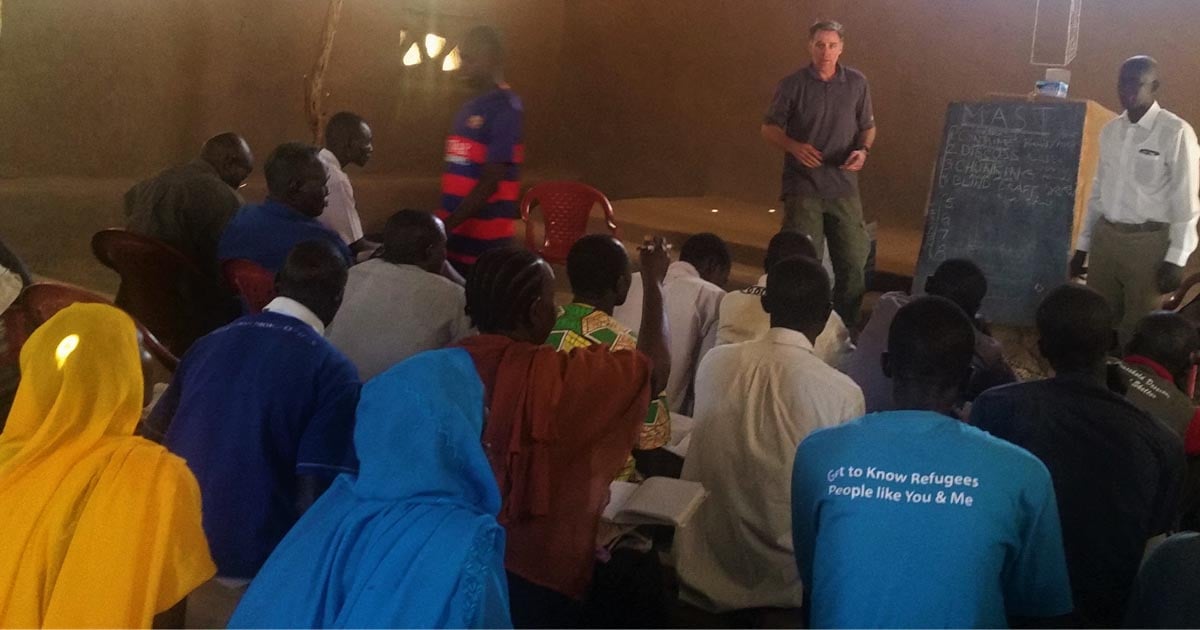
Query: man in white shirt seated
pixel 397 304
pixel 755 402
pixel 743 318
pixel 1140 227
pixel 692 292
pixel 347 141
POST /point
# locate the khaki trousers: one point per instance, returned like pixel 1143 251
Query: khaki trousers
pixel 840 222
pixel 1123 267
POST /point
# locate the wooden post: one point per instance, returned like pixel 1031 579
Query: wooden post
pixel 315 97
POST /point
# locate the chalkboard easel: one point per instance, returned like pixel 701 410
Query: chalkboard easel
pixel 1009 192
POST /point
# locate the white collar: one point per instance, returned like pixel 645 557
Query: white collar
pixel 1147 120
pixel 762 281
pixel 292 308
pixel 789 337
pixel 330 161
pixel 680 268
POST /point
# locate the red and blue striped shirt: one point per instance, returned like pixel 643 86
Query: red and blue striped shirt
pixel 486 130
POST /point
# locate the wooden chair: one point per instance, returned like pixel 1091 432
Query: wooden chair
pixel 40 301
pixel 163 288
pixel 565 208
pixel 251 282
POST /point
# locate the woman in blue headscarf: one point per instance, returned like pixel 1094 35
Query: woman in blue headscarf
pixel 411 541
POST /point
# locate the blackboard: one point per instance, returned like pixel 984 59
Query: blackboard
pixel 1004 196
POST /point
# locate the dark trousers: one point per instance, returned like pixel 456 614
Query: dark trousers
pixel 840 223
pixel 534 606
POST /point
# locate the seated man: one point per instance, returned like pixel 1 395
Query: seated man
pixel 693 290
pixel 743 318
pixel 755 402
pixel 911 518
pixel 1158 361
pixel 347 141
pixel 398 303
pixel 263 412
pixel 560 424
pixel 1117 471
pixel 960 281
pixel 188 206
pixel 598 268
pixel 296 192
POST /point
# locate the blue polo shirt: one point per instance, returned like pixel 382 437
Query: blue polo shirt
pixel 913 519
pixel 266 232
pixel 254 404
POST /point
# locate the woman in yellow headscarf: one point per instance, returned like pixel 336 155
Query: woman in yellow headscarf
pixel 98 528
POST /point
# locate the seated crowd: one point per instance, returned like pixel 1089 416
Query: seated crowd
pixel 391 444
pixel 441 457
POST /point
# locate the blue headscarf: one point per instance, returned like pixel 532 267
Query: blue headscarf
pixel 412 540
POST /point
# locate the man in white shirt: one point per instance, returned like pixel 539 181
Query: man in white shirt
pixel 397 304
pixel 347 141
pixel 743 318
pixel 692 292
pixel 1140 227
pixel 755 402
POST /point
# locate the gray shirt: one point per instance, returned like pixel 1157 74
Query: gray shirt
pixel 187 207
pixel 828 115
pixel 391 312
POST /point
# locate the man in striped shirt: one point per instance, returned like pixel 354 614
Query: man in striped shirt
pixel 481 184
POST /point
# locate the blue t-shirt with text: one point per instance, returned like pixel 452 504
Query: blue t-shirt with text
pixel 914 519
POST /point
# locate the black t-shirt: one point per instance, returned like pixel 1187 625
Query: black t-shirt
pixel 1117 475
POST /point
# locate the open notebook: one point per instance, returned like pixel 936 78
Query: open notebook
pixel 655 501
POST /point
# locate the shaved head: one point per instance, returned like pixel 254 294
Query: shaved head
pixel 230 155
pixel 1140 64
pixel 1137 85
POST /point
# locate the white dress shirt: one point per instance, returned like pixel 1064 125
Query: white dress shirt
pixel 391 312
pixel 341 214
pixel 292 308
pixel 692 305
pixel 755 402
pixel 1148 172
pixel 743 318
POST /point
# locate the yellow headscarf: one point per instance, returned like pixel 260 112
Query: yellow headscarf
pixel 98 528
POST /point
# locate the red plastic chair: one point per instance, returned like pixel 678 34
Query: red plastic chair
pixel 163 288
pixel 40 301
pixel 254 284
pixel 565 208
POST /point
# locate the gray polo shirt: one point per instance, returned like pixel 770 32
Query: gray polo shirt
pixel 828 115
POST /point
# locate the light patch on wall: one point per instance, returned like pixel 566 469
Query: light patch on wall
pixel 434 44
pixel 413 56
pixel 452 61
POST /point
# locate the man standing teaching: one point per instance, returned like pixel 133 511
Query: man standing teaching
pixel 1140 226
pixel 821 118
